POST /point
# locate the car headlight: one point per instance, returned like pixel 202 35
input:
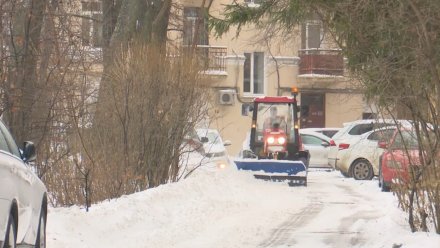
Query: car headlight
pixel 221 165
pixel 394 164
pixel 281 140
pixel 270 140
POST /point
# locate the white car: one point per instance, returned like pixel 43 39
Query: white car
pixel 361 161
pixel 318 146
pixel 327 131
pixel 23 196
pixel 214 147
pixel 351 133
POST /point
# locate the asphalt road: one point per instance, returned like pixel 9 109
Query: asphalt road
pixel 332 217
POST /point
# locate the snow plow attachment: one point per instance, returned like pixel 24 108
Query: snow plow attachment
pixel 294 172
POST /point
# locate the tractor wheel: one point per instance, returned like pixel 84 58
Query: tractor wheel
pixel 362 170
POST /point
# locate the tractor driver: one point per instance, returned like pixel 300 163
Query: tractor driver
pixel 274 118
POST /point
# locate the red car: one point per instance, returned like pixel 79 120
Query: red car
pixel 401 151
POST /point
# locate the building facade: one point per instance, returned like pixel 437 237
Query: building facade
pixel 261 63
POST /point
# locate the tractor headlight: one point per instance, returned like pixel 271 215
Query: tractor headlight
pixel 270 140
pixel 281 140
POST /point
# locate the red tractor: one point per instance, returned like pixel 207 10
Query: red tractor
pixel 274 144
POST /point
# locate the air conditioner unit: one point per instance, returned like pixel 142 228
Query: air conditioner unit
pixel 226 97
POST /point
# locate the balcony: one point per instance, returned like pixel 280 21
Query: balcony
pixel 321 62
pixel 212 59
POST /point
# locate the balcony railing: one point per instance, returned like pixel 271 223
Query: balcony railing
pixel 211 58
pixel 319 61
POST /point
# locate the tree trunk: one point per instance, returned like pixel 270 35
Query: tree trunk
pixel 26 89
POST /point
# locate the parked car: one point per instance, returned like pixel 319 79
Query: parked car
pixel 401 152
pixel 23 202
pixel 350 134
pixel 361 159
pixel 327 131
pixel 318 145
pixel 214 147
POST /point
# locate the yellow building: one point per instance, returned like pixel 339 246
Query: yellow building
pixel 261 63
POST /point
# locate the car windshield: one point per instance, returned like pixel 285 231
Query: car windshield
pixel 405 139
pixel 275 113
pixel 270 113
pixel 213 138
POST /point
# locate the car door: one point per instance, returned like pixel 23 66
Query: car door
pixel 8 177
pixel 317 149
pixel 25 185
pixel 370 147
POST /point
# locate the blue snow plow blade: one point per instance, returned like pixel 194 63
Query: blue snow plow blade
pixel 276 170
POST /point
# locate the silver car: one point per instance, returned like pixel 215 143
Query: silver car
pixel 318 146
pixel 23 202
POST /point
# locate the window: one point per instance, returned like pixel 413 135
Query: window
pixel 91 26
pixel 367 116
pixel 253 3
pixel 195 27
pixel 312 33
pixel 253 72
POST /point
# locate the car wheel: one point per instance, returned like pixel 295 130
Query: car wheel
pixel 344 174
pixel 41 234
pixel 11 233
pixel 362 170
pixel 383 186
pixel 380 177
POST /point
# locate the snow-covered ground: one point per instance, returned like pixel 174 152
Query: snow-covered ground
pixel 229 208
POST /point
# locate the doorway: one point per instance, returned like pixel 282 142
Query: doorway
pixel 312 110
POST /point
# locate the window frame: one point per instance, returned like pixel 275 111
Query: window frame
pixel 252 87
pixel 253 3
pixel 90 14
pixel 203 32
pixel 305 34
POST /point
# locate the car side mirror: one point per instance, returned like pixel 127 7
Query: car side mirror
pixel 204 139
pixel 227 143
pixel 325 144
pixel 382 144
pixel 29 153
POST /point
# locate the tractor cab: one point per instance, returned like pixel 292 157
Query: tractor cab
pixel 274 133
pixel 274 144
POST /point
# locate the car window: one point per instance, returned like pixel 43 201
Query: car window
pixel 311 140
pixel 213 138
pixel 361 128
pixel 10 141
pixel 381 135
pixel 329 133
pixel 3 144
